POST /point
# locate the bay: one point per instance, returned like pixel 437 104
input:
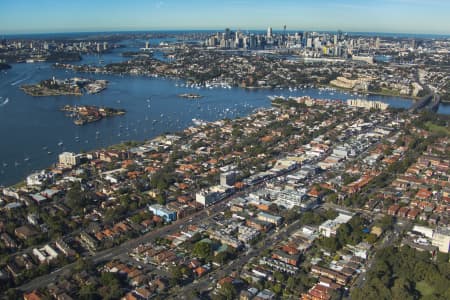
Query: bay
pixel 32 127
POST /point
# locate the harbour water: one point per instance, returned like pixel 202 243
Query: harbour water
pixel 33 131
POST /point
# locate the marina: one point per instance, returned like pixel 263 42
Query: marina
pixel 152 104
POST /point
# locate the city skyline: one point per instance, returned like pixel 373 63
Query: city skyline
pixel 393 16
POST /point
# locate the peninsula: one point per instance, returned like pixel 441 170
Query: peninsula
pixel 56 87
pixel 88 114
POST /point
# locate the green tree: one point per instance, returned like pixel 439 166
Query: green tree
pixel 290 283
pixel 371 238
pixel 176 274
pixel 402 289
pixel 202 250
pixel 88 292
pixel 228 291
pixel 279 277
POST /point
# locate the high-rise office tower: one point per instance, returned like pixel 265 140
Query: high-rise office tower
pixel 269 32
pixel 227 33
pixel 252 41
pixel 377 43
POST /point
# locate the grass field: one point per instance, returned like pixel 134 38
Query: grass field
pixel 437 129
pixel 424 288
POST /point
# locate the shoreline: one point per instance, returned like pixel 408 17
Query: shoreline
pixel 47 94
pixel 139 141
pixel 205 85
pixel 67 87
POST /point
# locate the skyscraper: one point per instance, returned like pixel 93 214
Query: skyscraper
pixel 377 43
pixel 269 32
pixel 227 33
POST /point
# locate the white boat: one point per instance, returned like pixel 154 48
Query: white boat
pixel 198 122
pixel 60 144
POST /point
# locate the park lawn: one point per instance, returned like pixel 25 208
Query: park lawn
pixel 437 129
pixel 424 288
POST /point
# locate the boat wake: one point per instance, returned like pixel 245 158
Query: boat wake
pixel 3 103
pixel 19 81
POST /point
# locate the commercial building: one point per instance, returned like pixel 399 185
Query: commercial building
pixel 247 234
pixel 210 196
pixel 88 241
pixel 425 231
pixel 329 227
pixel 69 159
pixel 290 198
pixel 366 59
pixel 291 259
pixel 441 239
pixel 361 250
pixel 276 220
pixel 45 254
pixel 64 248
pixel 227 178
pixel 368 104
pixel 163 212
pixel 279 265
pixel 38 179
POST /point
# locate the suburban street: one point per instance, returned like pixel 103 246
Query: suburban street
pixel 237 264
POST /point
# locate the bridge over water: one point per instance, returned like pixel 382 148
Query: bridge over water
pixel 429 102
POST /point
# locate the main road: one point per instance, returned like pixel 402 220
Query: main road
pixel 115 252
pixel 204 283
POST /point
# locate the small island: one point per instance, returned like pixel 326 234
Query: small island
pixel 88 114
pixel 73 86
pixel 190 96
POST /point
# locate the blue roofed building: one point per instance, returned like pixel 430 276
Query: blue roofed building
pixel 163 212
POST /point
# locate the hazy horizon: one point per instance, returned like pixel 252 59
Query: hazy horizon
pixel 384 16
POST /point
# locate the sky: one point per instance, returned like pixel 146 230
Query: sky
pixel 396 16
